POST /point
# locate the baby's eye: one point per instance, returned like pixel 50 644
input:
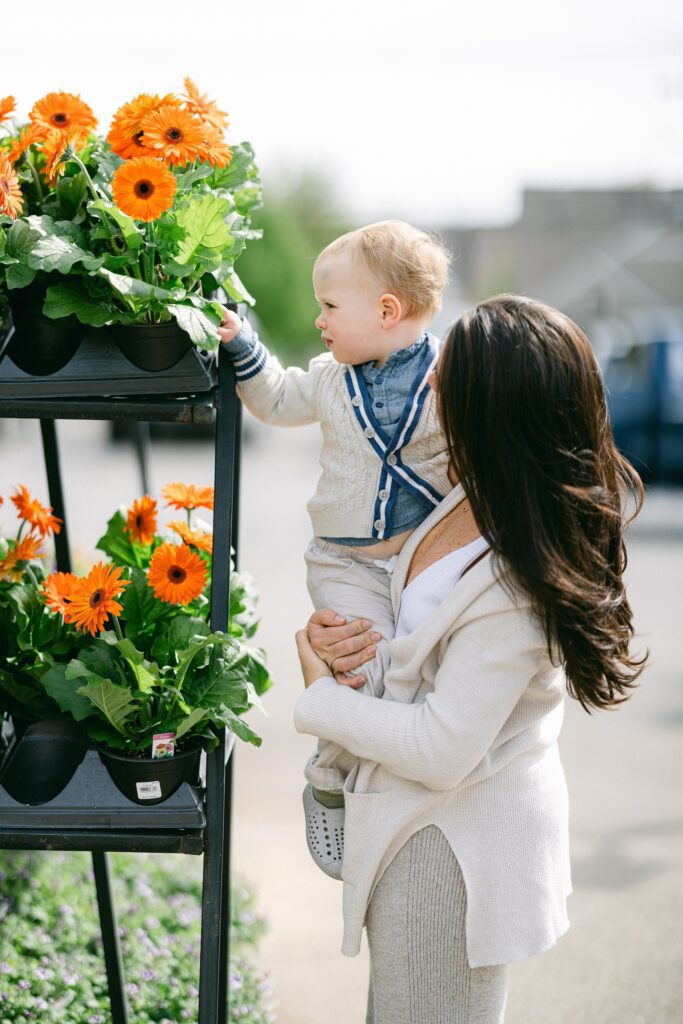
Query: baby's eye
pixel 329 305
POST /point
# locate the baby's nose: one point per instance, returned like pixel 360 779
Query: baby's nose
pixel 319 321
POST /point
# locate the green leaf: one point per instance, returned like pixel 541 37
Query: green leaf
pixel 146 673
pixel 54 253
pixel 71 190
pixel 176 636
pixel 201 325
pixel 234 287
pixel 64 690
pixel 132 235
pixel 114 703
pixel 238 726
pixel 117 542
pixel 132 288
pixel 19 276
pixel 72 297
pixel 203 219
pixel 141 609
pixel 188 178
pixel 186 657
pixel 196 715
pixel 20 240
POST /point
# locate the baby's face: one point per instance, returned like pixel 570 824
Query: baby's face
pixel 350 312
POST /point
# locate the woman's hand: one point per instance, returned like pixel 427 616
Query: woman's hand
pixel 312 666
pixel 342 645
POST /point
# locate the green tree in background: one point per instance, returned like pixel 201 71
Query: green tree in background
pixel 300 217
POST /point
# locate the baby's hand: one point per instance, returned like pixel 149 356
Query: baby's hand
pixel 230 326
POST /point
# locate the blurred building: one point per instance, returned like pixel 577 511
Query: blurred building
pixel 613 261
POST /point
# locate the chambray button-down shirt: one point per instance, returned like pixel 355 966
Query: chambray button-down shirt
pixel 387 387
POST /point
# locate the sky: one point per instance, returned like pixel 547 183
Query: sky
pixel 436 112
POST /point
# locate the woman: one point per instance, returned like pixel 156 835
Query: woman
pixel 456 846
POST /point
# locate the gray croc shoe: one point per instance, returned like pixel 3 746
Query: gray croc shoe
pixel 324 833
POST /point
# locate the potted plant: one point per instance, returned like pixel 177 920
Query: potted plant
pixel 142 227
pixel 153 681
pixel 47 745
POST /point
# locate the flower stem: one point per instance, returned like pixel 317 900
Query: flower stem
pixel 117 627
pixel 36 176
pixel 32 576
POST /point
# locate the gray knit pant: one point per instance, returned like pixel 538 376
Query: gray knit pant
pixel 419 972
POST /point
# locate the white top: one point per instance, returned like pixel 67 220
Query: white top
pixel 464 738
pixel 424 594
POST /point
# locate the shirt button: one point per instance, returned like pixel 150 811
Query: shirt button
pixel 379 405
pixel 379 524
pixel 383 495
pixel 391 459
pixel 355 400
pixel 369 432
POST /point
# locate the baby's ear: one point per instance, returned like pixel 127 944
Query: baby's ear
pixel 391 308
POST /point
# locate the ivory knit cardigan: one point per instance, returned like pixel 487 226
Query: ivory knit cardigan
pixel 361 466
pixel 464 738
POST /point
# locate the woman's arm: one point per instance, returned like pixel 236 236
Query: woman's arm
pixel 485 670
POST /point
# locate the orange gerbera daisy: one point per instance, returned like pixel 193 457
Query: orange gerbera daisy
pixel 24 550
pixel 197 538
pixel 29 134
pixel 11 199
pixel 142 520
pixel 7 107
pixel 143 188
pixel 177 574
pixel 173 134
pixel 62 110
pixel 126 135
pixel 216 151
pixel 205 108
pixel 55 146
pixel 58 589
pixel 33 512
pixel 188 496
pixel 93 600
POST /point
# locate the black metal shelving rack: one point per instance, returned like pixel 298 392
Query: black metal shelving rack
pixel 205 393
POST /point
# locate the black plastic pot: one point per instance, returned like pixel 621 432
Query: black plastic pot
pixel 147 781
pixel 43 760
pixel 152 347
pixel 41 346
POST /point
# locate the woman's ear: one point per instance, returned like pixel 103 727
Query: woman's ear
pixel 431 380
pixel 391 311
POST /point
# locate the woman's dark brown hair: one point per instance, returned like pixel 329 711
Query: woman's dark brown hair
pixel 523 407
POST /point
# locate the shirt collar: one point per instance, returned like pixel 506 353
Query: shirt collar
pixel 401 355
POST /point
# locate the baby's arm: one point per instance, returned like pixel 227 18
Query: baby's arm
pixel 289 397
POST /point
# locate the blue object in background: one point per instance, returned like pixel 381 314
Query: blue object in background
pixel 645 396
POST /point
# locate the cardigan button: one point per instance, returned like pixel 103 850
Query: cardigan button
pixel 355 400
pixel 383 495
pixel 379 524
pixel 369 432
pixel 391 459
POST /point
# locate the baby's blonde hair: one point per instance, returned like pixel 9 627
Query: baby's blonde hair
pixel 406 261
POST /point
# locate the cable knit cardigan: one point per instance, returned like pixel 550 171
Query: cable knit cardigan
pixel 361 466
pixel 464 738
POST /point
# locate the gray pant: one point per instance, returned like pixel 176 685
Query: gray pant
pixel 419 973
pixel 357 587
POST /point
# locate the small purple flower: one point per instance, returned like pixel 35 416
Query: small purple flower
pixel 23 983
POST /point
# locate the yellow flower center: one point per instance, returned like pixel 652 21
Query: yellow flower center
pixel 97 597
pixel 144 189
pixel 177 574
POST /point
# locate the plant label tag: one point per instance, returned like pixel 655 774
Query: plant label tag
pixel 163 744
pixel 148 790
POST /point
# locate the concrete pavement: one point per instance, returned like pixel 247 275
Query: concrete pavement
pixel 621 961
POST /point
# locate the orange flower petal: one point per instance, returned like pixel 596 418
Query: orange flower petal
pixel 93 599
pixel 141 523
pixel 143 188
pixel 188 496
pixel 177 574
